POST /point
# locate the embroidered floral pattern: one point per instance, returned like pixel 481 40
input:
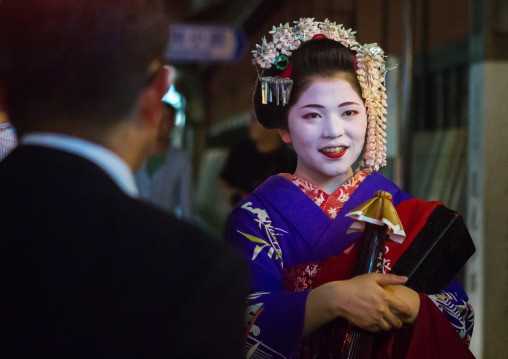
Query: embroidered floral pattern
pixel 300 277
pixel 333 203
pixel 459 313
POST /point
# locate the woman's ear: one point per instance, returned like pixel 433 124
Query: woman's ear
pixel 286 137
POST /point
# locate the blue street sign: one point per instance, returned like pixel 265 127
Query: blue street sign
pixel 205 43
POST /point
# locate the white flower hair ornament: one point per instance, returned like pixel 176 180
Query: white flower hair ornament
pixel 370 71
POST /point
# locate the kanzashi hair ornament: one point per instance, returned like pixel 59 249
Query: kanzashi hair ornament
pixel 276 88
pixel 369 66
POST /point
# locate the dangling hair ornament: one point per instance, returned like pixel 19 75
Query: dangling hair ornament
pixel 369 67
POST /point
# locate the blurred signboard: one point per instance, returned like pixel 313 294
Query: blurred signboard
pixel 205 43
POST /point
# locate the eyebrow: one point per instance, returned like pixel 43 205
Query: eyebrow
pixel 341 105
pixel 313 105
pixel 348 103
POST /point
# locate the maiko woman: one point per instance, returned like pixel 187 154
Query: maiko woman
pixel 324 93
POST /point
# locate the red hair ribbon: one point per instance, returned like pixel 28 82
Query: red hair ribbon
pixel 356 63
pixel 288 71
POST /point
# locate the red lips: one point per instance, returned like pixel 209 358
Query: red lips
pixel 335 154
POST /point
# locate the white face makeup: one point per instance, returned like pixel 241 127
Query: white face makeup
pixel 327 128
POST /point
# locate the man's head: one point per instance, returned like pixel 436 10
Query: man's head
pixel 78 62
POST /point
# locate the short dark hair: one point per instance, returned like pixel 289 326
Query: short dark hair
pixel 78 59
pixel 322 58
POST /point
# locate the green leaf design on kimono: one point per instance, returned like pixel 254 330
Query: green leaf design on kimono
pixel 264 221
pixel 255 239
pixel 257 250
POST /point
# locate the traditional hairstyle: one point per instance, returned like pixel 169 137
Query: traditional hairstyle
pixel 78 59
pixel 323 58
pixel 309 50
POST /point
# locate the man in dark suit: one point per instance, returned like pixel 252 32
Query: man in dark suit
pixel 86 269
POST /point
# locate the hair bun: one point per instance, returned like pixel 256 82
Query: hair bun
pixel 269 115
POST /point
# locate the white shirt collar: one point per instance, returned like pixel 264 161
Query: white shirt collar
pixel 110 162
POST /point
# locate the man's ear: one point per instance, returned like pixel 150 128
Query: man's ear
pixel 286 137
pixel 151 97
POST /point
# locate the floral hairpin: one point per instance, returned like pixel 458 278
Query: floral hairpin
pixel 370 70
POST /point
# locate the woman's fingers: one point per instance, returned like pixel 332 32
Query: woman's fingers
pixel 370 306
pixel 412 300
pixel 389 279
pixel 385 325
pixel 382 325
pixel 392 320
pixel 398 306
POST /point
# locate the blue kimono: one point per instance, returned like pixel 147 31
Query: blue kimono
pixel 278 226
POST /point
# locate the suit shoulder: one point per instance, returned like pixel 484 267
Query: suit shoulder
pixel 156 225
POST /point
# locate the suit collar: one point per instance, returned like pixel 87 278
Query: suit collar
pixel 107 160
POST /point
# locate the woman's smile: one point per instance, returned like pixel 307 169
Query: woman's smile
pixel 334 152
pixel 327 127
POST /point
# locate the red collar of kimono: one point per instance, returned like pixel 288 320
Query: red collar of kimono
pixel 331 204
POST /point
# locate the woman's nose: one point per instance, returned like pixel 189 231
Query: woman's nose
pixel 333 127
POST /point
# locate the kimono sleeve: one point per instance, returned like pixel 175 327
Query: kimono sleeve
pixel 274 317
pixel 453 303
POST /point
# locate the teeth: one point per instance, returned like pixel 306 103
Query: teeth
pixel 333 149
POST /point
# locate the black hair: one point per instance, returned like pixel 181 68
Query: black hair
pixel 322 58
pixel 78 59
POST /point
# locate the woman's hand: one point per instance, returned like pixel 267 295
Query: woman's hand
pixel 410 297
pixel 362 300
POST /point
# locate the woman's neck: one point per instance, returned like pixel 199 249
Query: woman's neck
pixel 326 183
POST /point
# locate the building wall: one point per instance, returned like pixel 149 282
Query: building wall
pixel 487 274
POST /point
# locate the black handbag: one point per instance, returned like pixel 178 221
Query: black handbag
pixel 437 253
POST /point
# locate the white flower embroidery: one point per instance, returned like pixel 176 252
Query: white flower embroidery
pixel 344 197
pixel 305 186
pixel 311 270
pixel 319 200
pixel 332 212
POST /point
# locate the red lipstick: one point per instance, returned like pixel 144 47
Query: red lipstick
pixel 335 154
